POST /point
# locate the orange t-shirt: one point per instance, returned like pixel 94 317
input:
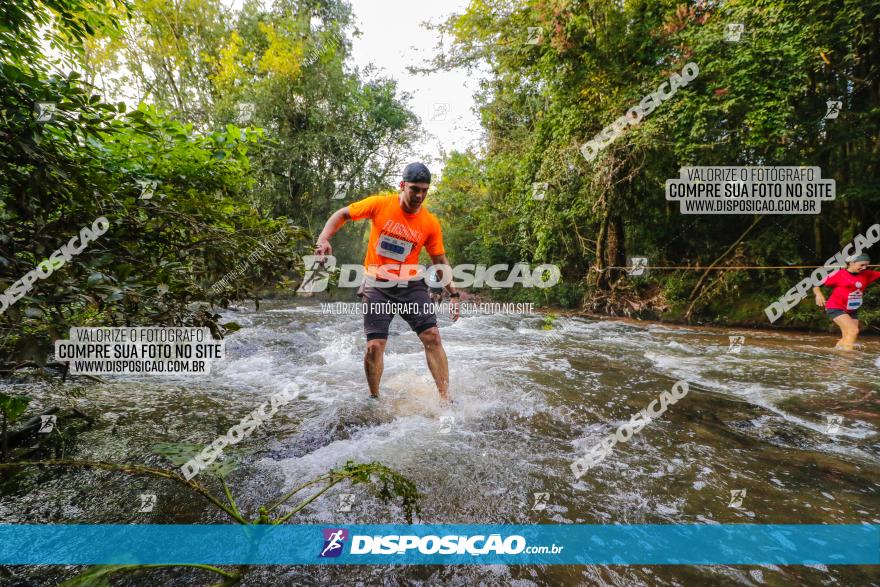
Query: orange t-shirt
pixel 396 238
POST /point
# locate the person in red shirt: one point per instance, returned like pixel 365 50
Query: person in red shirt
pixel 843 305
pixel 401 226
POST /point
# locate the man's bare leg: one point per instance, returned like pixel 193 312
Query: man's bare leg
pixel 437 362
pixel 374 363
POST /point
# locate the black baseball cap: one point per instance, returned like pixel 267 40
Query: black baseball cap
pixel 416 173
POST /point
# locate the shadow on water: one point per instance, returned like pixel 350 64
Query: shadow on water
pixel 784 418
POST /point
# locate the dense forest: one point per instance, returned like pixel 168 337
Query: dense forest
pixel 564 70
pixel 245 127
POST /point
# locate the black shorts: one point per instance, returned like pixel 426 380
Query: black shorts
pixel 834 313
pixel 409 300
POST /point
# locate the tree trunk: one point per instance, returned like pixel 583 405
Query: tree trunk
pixel 602 279
pixel 616 249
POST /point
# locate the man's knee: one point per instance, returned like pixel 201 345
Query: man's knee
pixel 430 337
pixel 375 347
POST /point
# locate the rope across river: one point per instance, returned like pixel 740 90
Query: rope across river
pixel 721 267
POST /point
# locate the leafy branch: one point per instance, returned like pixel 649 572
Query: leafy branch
pixel 383 481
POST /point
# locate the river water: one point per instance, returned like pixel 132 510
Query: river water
pixel 785 418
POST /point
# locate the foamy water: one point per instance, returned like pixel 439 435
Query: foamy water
pixel 786 418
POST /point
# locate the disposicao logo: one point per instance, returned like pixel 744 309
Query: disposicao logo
pixel 334 539
pixel 394 544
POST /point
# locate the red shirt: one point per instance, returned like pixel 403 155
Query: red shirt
pixel 848 288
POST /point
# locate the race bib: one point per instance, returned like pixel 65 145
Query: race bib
pixel 854 300
pixel 393 248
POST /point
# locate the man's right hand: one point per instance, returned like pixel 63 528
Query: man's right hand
pixel 323 248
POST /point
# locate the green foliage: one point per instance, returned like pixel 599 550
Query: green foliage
pixel 99 576
pixel 549 321
pixel 165 248
pixel 13 406
pixel 760 101
pixel 387 484
pixel 179 453
pixel 328 130
pixel 64 25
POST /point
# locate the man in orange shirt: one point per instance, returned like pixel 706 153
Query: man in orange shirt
pixel 400 227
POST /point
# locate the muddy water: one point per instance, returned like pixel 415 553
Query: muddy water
pixel 789 421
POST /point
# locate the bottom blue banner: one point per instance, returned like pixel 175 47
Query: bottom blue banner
pixel 697 544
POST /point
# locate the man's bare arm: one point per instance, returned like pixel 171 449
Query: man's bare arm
pixel 453 307
pixel 443 260
pixel 334 223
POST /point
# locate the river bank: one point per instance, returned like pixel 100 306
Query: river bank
pixel 819 325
